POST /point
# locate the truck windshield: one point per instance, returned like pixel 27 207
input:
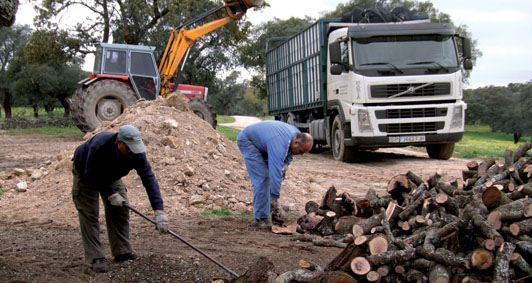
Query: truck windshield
pixel 405 52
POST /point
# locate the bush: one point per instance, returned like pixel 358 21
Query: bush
pixel 25 123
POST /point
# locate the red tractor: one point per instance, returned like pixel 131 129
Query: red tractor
pixel 125 73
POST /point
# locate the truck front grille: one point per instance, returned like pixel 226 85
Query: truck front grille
pixel 411 127
pixel 411 113
pixel 384 91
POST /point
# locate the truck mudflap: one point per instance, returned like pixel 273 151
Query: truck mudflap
pixel 385 141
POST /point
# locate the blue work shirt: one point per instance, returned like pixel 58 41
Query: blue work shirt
pixel 100 163
pixel 272 139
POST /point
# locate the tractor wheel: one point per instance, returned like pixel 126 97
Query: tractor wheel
pixel 101 101
pixel 203 110
pixel 440 151
pixel 341 152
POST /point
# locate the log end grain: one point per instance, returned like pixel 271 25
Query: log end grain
pixel 360 266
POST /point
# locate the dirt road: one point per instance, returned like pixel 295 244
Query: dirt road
pixel 48 250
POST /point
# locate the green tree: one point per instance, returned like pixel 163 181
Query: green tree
pixel 12 41
pixel 230 92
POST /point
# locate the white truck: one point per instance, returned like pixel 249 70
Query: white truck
pixel 359 86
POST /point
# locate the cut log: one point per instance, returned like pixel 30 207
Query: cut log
pixel 488 244
pixel 398 184
pixel 525 247
pixel 522 227
pixel 518 261
pixel 486 229
pixel 508 159
pixel 360 240
pixel 414 275
pixel 443 256
pixel 303 237
pixel 364 226
pixel 328 198
pixel 360 266
pixel 383 270
pixel 439 274
pixel 468 174
pixel 298 275
pixel 481 259
pixel 526 189
pixel 326 225
pixel 329 243
pixel 310 265
pixel 399 269
pixel 373 276
pixel 521 151
pixel 343 260
pixel 311 206
pixel 449 203
pixel 391 257
pixel 414 178
pixel 310 221
pixel 350 203
pixel 411 208
pixel 435 178
pixel 378 244
pixel 484 166
pixel 493 197
pixel 501 270
pixel 345 224
pixel 333 277
pixel 472 165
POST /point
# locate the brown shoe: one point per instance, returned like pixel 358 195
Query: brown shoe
pixel 99 265
pixel 278 214
pixel 263 223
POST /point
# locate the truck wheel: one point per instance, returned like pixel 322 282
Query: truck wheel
pixel 101 101
pixel 341 152
pixel 203 110
pixel 440 151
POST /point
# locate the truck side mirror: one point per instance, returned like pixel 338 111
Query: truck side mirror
pixel 335 53
pixel 336 69
pixel 468 64
pixel 466 48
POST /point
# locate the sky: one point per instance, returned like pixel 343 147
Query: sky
pixel 501 29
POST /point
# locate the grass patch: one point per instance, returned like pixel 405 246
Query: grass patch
pixel 225 119
pixel 228 131
pixel 480 142
pixel 27 112
pixel 224 212
pixel 52 132
pixel 1 192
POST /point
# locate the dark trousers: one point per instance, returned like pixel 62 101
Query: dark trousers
pixel 86 200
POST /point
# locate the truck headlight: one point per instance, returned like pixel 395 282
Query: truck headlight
pixel 364 123
pixel 457 119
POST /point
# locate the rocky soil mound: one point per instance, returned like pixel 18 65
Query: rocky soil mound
pixel 197 168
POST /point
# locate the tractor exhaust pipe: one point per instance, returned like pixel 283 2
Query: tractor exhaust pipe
pixel 234 274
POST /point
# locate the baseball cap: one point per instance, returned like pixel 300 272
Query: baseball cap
pixel 131 136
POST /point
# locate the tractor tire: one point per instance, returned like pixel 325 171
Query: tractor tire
pixel 101 101
pixel 440 151
pixel 203 110
pixel 341 152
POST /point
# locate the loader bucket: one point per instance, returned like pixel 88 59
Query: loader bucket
pixel 238 8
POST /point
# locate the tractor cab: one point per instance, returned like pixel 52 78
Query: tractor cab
pixel 132 63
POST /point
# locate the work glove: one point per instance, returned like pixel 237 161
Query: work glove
pixel 278 214
pixel 116 199
pixel 161 221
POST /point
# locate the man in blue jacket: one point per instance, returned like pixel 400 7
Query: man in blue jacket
pixel 99 165
pixel 267 148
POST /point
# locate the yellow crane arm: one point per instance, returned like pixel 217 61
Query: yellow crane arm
pixel 182 39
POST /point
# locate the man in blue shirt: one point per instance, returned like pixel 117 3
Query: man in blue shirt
pixel 267 148
pixel 99 164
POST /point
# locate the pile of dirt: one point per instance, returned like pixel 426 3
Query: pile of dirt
pixel 197 168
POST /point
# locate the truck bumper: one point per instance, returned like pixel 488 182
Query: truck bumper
pixel 384 141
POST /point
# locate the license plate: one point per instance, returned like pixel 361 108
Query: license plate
pixel 405 139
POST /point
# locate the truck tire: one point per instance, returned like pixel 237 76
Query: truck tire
pixel 203 110
pixel 341 152
pixel 440 151
pixel 101 101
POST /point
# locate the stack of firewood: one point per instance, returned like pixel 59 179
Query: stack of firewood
pixel 475 229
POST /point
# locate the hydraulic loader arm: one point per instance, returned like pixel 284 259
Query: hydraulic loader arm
pixel 182 38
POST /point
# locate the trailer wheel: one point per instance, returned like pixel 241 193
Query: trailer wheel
pixel 101 101
pixel 341 152
pixel 203 110
pixel 440 151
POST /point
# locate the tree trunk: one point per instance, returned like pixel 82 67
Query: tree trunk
pixel 7 103
pixel 66 105
pixel 35 110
